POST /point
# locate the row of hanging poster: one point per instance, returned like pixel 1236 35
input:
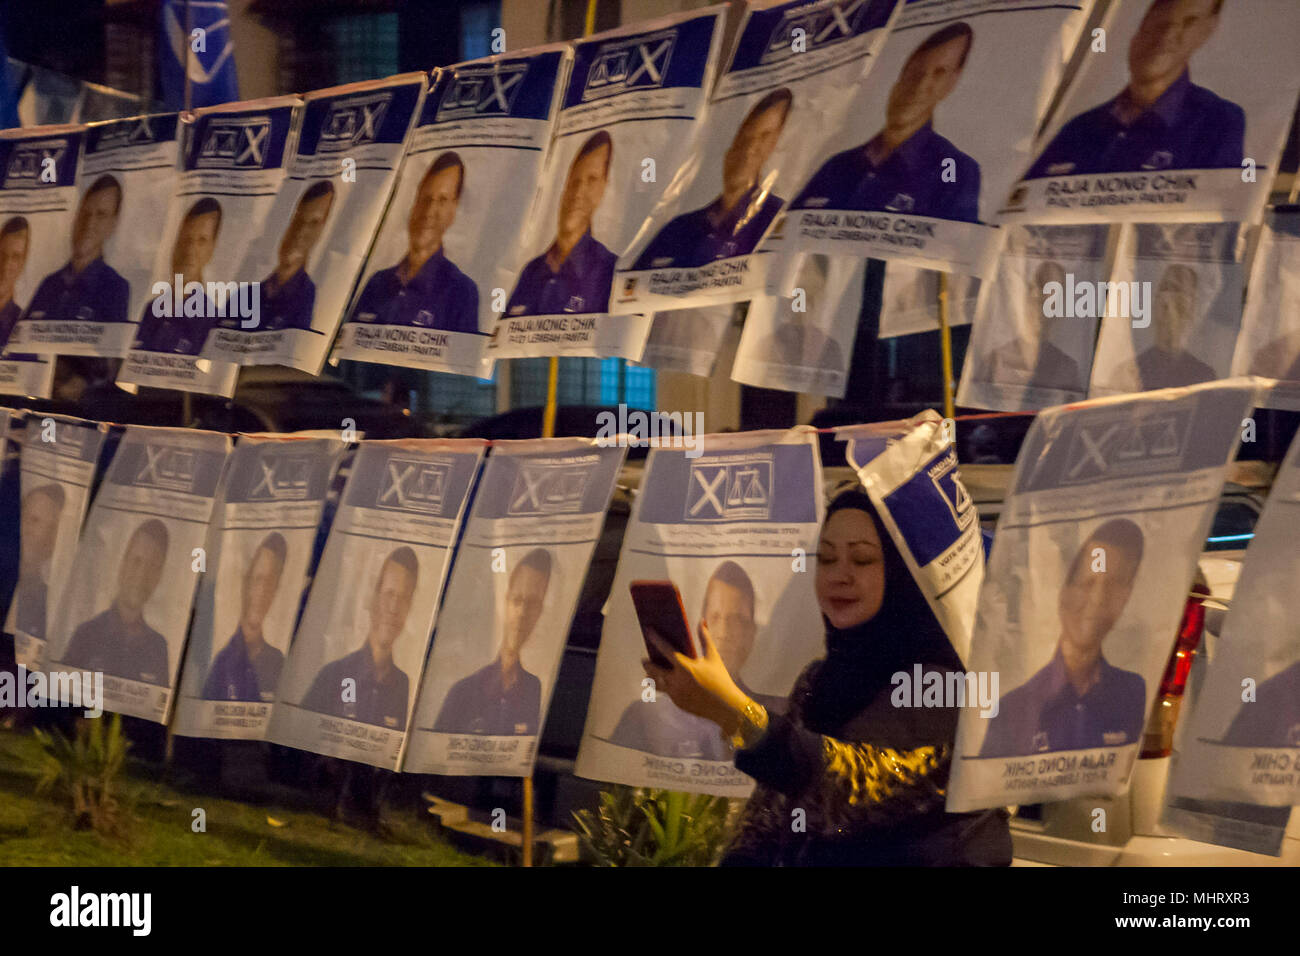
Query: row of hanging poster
pixel 315 571
pixel 613 196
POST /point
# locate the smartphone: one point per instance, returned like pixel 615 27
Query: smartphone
pixel 659 608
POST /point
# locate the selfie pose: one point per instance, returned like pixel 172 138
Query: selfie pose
pixel 870 777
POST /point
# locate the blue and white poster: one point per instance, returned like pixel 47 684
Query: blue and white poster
pixel 258 561
pixel 1269 343
pixel 126 609
pixel 519 571
pixel 348 686
pixel 630 114
pixel 1092 562
pixel 733 523
pixel 314 242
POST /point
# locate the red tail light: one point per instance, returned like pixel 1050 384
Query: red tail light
pixel 1158 741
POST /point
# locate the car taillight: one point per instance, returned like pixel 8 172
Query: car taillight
pixel 1158 741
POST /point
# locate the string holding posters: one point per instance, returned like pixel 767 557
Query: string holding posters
pixel 233 163
pixel 434 284
pixel 57 467
pixel 1168 118
pixel 1269 343
pixel 1035 328
pixel 313 245
pixel 38 193
pixel 1242 738
pixel 349 683
pixel 125 611
pixel 802 340
pixel 925 158
pixel 1173 309
pixel 632 108
pixel 85 307
pixel 732 521
pixel 519 571
pixel 791 78
pixel 1093 560
pixel 259 553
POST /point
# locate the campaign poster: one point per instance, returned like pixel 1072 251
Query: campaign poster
pixel 349 683
pixel 1170 122
pixel 234 161
pixel 1184 288
pixel 11 424
pixel 631 110
pixel 1243 738
pixel 1269 342
pixel 791 78
pixel 1031 345
pixel 688 340
pixel 86 305
pixel 313 245
pixel 802 340
pixel 57 467
pixel 909 470
pixel 910 300
pixel 519 571
pixel 126 608
pixel 733 524
pixel 919 169
pixel 38 194
pixel 437 274
pixel 1093 559
pixel 259 552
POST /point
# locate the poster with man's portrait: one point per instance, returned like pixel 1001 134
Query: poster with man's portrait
pixel 1269 343
pixel 688 340
pixel 910 300
pixel 1092 563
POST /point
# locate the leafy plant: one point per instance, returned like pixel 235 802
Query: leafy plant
pixel 86 772
pixel 651 827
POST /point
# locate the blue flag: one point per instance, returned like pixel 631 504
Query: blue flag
pixel 210 52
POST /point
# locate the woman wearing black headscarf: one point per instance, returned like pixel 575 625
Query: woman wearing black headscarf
pixel 845 777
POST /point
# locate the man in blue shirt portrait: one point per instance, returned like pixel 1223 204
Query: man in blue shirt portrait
pixel 902 168
pixel 574 274
pixel 425 288
pixel 1161 120
pixel 119 642
pixel 288 294
pixel 1029 359
pixel 503 699
pixel 379 688
pixel 87 289
pixel 41 510
pixel 733 223
pixel 196 241
pixel 15 242
pixel 1167 362
pixel 248 667
pixel 1080 700
pixel 661 727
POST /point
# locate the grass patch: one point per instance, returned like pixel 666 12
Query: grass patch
pixel 34 831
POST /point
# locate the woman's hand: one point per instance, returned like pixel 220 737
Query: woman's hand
pixel 701 686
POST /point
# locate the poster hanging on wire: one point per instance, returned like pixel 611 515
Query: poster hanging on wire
pixel 259 552
pixel 917 172
pixel 1169 122
pixel 87 305
pixel 57 467
pixel 1035 323
pixel 1089 575
pixel 688 340
pixel 126 609
pixel 519 571
pixel 910 300
pixel 1183 312
pixel 1269 343
pixel 791 78
pixel 632 108
pixel 802 341
pixel 234 161
pixel 38 193
pixel 349 682
pixel 322 221
pixel 734 525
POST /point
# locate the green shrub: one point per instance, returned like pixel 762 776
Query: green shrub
pixel 86 773
pixel 651 827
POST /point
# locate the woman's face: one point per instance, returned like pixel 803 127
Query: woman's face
pixel 850 569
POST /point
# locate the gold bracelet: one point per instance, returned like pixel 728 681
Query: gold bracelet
pixel 753 724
